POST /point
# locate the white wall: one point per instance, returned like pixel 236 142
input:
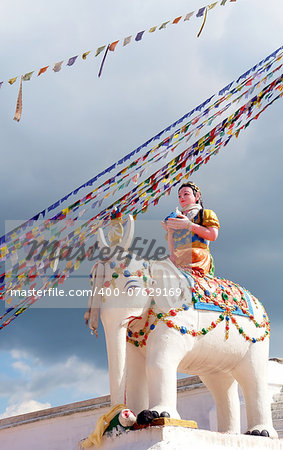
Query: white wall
pixel 63 427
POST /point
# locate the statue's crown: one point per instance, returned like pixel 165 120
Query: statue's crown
pixel 116 214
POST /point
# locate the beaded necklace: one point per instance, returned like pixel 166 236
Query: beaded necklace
pixel 121 269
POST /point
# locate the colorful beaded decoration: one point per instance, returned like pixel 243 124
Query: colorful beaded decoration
pixel 220 293
pixel 224 296
pixel 121 269
pixel 227 304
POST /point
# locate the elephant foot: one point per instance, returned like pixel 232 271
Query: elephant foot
pixel 255 432
pixel 146 417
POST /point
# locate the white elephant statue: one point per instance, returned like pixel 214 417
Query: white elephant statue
pixel 152 336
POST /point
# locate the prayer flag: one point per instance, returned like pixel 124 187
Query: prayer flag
pixel 212 5
pixel 58 66
pixel 72 60
pixel 201 12
pixel 42 70
pixel 103 61
pixel 1 83
pixel 18 112
pixel 12 80
pixel 113 46
pixel 127 40
pixel 84 55
pixel 139 36
pixel 177 20
pixel 27 76
pixel 152 29
pixel 223 2
pixel 188 16
pixel 99 50
pixel 164 25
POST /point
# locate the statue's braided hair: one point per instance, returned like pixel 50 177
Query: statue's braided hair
pixel 195 190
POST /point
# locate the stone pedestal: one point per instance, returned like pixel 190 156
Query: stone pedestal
pixel 178 438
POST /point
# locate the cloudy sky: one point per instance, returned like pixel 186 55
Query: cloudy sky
pixel 74 125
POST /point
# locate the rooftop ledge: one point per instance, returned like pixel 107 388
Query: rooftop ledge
pixel 183 384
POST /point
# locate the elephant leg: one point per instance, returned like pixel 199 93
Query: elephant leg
pixel 224 389
pixel 136 382
pixel 251 374
pixel 161 365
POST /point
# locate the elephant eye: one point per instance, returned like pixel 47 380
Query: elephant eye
pixel 132 286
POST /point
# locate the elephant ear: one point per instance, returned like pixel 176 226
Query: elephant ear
pixel 92 314
pixel 173 285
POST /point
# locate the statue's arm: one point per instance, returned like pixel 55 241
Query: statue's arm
pixel 209 233
pixel 205 232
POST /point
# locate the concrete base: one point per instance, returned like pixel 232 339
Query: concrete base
pixel 176 438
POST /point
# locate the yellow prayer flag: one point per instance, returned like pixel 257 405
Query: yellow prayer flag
pixel 84 55
pixel 4 251
pixel 212 5
pixel 12 80
pixel 152 29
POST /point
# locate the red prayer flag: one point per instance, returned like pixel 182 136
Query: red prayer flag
pixel 42 70
pixel 113 46
pixel 177 19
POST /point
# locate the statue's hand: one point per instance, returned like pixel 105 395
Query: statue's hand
pixel 179 224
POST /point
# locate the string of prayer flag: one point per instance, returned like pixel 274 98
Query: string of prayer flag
pixel 65 229
pixel 252 79
pixel 126 41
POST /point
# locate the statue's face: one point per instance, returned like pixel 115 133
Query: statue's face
pixel 186 197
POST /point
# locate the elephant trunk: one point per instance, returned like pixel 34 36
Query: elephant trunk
pixel 116 350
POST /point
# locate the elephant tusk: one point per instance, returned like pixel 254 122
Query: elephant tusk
pixel 56 260
pixel 101 239
pixel 129 234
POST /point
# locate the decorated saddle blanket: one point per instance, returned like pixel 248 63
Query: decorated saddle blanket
pixel 211 294
pixel 216 294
